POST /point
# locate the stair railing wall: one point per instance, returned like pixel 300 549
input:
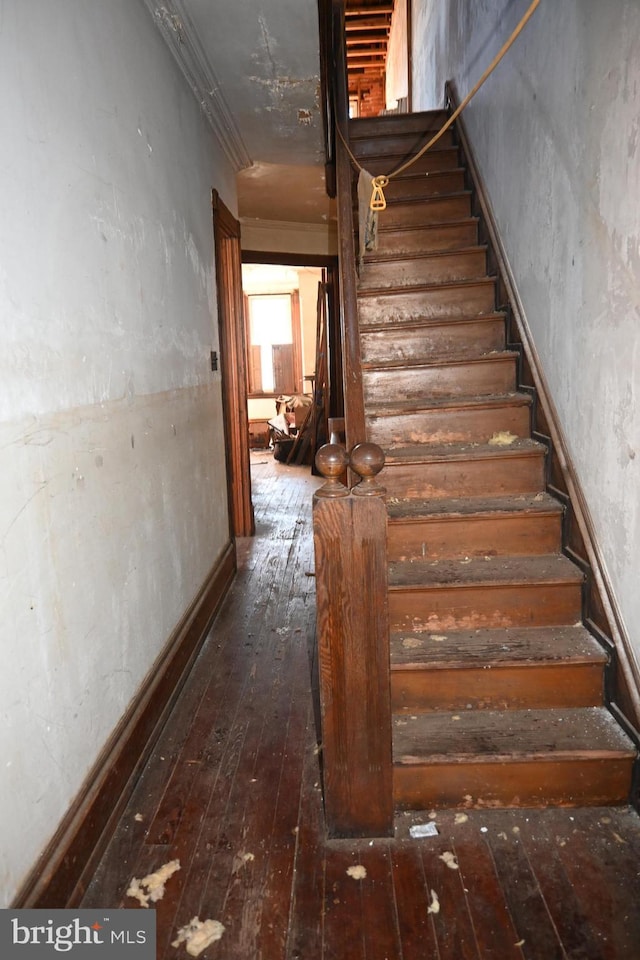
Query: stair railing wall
pixel 350 539
pixel 601 614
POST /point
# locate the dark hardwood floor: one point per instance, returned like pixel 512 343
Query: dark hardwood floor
pixel 232 791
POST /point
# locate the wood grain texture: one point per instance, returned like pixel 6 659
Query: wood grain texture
pixel 248 700
pixel 353 636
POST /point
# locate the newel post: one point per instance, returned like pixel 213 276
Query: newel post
pixel 350 529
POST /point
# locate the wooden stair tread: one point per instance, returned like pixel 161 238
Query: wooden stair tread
pixel 418 121
pixel 494 648
pixel 415 509
pixel 373 259
pixel 394 202
pixel 423 287
pixel 508 735
pixel 460 451
pixel 484 571
pixel 414 227
pixel 401 407
pixel 427 322
pixel 440 360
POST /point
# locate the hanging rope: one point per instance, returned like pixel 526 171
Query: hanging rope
pixel 378 201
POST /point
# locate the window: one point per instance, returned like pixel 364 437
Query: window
pixel 273 342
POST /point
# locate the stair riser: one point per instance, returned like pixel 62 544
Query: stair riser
pixel 459 424
pixel 433 161
pixel 475 378
pixel 445 236
pixel 427 343
pixel 450 181
pixel 517 534
pixel 563 782
pixel 465 478
pixel 403 145
pixel 427 121
pixel 436 210
pixel 439 609
pixel 454 266
pixel 466 299
pixel 515 687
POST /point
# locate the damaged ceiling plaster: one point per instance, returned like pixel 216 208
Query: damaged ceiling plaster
pixel 254 64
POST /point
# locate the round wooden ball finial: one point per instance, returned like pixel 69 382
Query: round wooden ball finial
pixel 332 460
pixel 367 460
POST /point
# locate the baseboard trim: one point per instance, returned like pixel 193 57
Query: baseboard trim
pixel 601 611
pixel 60 876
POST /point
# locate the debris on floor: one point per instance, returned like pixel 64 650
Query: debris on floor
pixel 423 830
pixel 198 935
pixel 434 906
pixel 461 818
pixel 358 872
pixel 450 860
pixel 151 887
pixel 503 439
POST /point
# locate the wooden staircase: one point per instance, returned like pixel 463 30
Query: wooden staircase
pixel 497 687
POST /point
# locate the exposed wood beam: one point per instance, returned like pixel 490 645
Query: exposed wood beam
pixel 360 59
pixel 367 8
pixel 369 24
pixel 366 41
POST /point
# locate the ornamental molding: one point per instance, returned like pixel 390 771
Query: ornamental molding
pixel 178 31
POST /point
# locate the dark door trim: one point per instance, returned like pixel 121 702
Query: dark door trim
pixel 226 231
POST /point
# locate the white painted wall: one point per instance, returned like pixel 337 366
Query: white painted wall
pixel 112 485
pixel 556 130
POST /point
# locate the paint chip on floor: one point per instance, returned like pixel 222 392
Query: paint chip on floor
pixel 503 438
pixel 151 887
pixel 460 818
pixel 434 906
pixel 450 860
pixel 198 935
pixel 358 872
pixel 423 830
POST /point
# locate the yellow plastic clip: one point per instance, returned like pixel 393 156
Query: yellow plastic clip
pixel 378 201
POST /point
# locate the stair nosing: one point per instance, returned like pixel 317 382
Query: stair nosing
pixel 393 325
pixel 494 571
pixel 464 451
pixel 374 259
pixel 435 225
pixel 476 401
pixel 439 361
pixel 423 287
pixel 501 505
pixel 615 742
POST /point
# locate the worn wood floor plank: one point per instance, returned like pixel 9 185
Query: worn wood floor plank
pixel 236 772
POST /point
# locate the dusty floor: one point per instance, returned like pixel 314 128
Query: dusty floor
pixel 232 792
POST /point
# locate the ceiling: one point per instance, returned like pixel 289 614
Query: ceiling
pixel 254 66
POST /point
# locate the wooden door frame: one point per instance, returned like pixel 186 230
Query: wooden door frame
pixel 228 259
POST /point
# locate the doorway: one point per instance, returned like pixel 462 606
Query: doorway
pixel 291 336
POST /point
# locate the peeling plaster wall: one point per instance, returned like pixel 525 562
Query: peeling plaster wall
pixel 112 481
pixel 556 131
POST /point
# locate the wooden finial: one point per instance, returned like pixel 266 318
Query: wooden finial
pixel 332 460
pixel 367 460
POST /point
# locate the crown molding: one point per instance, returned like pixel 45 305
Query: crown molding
pixel 178 31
